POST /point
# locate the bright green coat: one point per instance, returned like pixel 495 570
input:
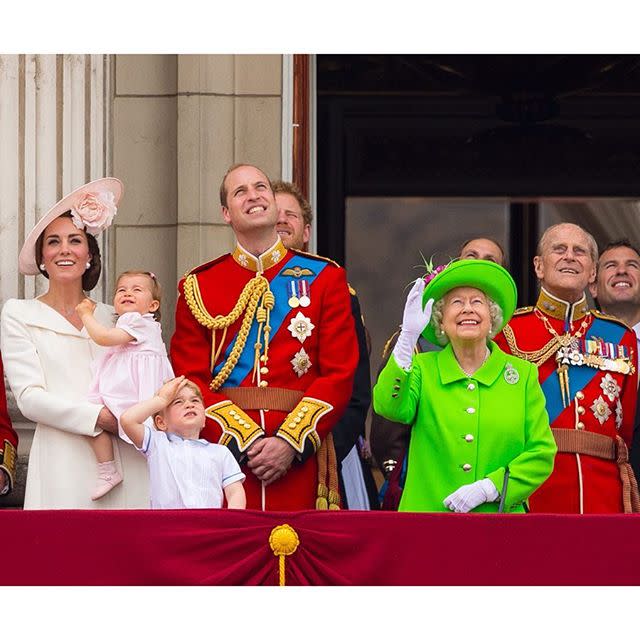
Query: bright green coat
pixel 468 428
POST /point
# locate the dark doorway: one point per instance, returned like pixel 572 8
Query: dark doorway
pixel 495 145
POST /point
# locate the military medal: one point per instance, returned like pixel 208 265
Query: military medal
pixel 618 414
pixel 301 327
pixel 301 362
pixel 610 387
pixel 305 300
pixel 607 356
pixel 601 410
pixel 294 301
pixel 511 375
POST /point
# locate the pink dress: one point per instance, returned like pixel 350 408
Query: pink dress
pixel 132 372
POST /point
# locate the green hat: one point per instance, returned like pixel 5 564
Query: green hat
pixel 494 280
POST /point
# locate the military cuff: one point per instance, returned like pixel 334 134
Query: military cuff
pixel 237 426
pixel 8 464
pixel 299 427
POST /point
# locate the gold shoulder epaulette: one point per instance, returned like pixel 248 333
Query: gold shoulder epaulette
pixel 606 316
pixel 521 310
pixel 387 346
pixel 205 265
pixel 315 255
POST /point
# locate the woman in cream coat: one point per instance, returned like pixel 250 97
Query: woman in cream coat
pixel 47 355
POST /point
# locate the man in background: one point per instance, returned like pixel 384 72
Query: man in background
pixel 617 291
pixel 357 486
pixel 617 285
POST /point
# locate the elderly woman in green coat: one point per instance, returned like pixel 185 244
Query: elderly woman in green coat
pixel 474 411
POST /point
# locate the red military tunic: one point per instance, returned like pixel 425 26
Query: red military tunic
pixel 302 388
pixel 596 400
pixel 8 436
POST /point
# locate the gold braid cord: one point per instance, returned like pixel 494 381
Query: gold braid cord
pixel 256 299
pixel 538 357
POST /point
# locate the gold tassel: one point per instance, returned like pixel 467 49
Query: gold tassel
pixel 283 541
pixel 328 489
pixel 563 379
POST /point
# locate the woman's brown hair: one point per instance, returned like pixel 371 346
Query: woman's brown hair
pixel 91 276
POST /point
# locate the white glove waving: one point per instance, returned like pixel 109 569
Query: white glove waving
pixel 414 320
pixel 469 496
pixel 414 317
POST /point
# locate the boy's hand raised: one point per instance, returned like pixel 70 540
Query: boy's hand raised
pixel 169 389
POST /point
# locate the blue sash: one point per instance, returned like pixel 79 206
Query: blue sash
pixel 279 288
pixel 579 377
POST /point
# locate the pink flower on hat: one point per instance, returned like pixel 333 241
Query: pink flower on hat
pixel 430 270
pixel 94 211
pixel 430 276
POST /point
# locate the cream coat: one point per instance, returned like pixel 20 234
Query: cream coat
pixel 48 365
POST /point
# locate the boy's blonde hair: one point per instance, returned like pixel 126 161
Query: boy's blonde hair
pixel 156 289
pixel 191 385
pixel 195 388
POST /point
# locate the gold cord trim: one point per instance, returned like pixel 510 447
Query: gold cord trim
pixel 538 357
pixel 256 299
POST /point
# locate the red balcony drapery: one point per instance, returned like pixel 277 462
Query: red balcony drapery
pixel 221 547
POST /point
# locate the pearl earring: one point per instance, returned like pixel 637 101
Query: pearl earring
pixel 88 265
pixel 42 266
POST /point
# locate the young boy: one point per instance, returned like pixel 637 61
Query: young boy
pixel 184 471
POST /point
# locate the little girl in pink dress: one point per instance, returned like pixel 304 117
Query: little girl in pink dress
pixel 133 368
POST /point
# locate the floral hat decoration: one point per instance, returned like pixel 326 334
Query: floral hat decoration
pixel 92 206
pixel 491 278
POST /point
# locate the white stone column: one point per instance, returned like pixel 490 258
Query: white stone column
pixel 9 174
pixel 54 133
pixel 54 123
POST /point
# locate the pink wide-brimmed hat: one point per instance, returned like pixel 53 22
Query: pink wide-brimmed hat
pixel 92 207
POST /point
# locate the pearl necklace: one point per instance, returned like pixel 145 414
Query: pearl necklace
pixel 466 373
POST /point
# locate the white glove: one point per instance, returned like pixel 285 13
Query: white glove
pixel 469 496
pixel 414 320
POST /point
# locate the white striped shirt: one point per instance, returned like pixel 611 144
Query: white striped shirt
pixel 187 474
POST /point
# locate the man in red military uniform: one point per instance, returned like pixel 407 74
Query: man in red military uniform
pixel 267 333
pixel 8 442
pixel 587 368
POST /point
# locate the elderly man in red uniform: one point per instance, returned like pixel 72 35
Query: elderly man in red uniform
pixel 586 363
pixel 267 333
pixel 8 442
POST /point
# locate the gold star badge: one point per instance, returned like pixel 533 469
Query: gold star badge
pixel 301 362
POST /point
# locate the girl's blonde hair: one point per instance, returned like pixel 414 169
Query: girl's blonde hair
pixel 156 289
